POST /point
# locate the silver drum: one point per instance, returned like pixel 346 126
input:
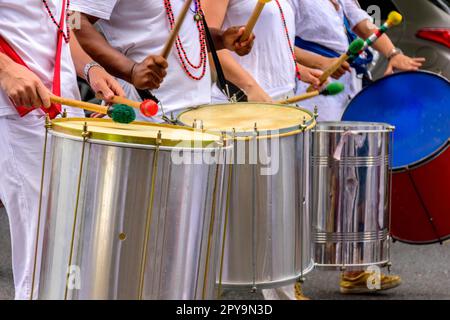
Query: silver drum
pixel 351 193
pixel 267 242
pixel 135 222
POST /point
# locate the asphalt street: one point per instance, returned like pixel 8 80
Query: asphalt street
pixel 425 271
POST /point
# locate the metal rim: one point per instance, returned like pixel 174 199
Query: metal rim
pixel 310 124
pixel 129 139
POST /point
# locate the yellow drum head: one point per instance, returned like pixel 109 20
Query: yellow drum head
pixel 135 133
pixel 242 117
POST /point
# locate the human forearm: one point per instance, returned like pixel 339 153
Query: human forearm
pixel 310 59
pixel 365 29
pixel 116 63
pixel 234 72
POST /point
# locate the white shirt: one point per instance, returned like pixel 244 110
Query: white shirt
pixel 270 62
pixel 27 27
pixel 318 21
pixel 140 28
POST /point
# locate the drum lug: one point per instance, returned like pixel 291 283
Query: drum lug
pixel 85 134
pixel 302 279
pixel 48 122
pixel 159 138
pixel 316 112
pixel 303 126
pixel 389 266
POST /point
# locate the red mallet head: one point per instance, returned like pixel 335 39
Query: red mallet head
pixel 149 108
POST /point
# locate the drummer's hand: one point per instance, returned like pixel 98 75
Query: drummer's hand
pixel 23 87
pixel 256 94
pixel 339 72
pixel 231 41
pixel 404 63
pixel 150 73
pixel 104 84
pixel 309 75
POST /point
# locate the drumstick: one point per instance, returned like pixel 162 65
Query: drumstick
pixel 253 19
pixel 118 113
pixel 148 108
pixel 393 20
pixel 331 90
pixel 353 49
pixel 176 29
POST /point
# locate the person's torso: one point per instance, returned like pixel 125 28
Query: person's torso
pixel 271 62
pixel 27 27
pixel 141 28
pixel 318 21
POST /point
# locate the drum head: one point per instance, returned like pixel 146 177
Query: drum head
pixel 242 117
pixel 142 133
pixel 417 104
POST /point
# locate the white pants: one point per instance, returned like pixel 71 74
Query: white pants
pixel 21 151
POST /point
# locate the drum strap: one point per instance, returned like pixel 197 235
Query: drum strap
pixel 6 49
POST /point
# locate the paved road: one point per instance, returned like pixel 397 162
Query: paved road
pixel 425 271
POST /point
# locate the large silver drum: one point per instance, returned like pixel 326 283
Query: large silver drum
pixel 351 193
pixel 132 212
pixel 267 242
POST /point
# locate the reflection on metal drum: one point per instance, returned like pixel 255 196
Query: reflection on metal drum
pixel 350 193
pixel 144 225
pixel 267 239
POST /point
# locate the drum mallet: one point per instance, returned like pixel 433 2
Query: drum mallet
pixel 394 19
pixel 120 113
pixel 332 89
pixel 149 108
pixel 353 49
pixel 253 19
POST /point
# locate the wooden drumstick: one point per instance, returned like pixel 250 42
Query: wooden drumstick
pixel 118 113
pixel 353 49
pixel 148 108
pixel 253 19
pixel 176 29
pixel 331 90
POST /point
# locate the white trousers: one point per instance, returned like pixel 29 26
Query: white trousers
pixel 21 154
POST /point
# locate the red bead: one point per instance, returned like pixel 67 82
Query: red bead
pixel 149 108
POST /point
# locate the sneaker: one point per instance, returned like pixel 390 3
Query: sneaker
pixel 365 282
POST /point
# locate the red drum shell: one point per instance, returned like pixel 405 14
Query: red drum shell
pixel 421 201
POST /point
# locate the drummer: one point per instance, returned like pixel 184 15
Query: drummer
pixel 324 28
pixel 269 72
pixel 22 90
pixel 323 24
pixel 133 37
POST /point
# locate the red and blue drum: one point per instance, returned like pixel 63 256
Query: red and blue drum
pixel 418 105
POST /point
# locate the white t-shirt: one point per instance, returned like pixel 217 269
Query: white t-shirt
pixel 270 62
pixel 318 21
pixel 140 28
pixel 27 27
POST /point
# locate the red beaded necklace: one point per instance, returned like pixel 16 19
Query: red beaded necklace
pixel 186 63
pixel 291 47
pixel 60 28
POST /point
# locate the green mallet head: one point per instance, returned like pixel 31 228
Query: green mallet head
pixel 122 113
pixel 355 47
pixel 333 89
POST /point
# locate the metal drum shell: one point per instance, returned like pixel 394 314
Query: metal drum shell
pixel 350 194
pixel 183 244
pixel 268 225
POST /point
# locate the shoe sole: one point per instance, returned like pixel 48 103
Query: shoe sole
pixel 367 290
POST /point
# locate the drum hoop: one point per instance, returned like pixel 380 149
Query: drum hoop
pixel 424 161
pixel 265 134
pixel 149 141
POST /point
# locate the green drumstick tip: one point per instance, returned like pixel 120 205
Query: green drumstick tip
pixel 356 46
pixel 122 113
pixel 333 88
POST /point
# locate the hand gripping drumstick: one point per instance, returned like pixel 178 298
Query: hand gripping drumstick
pixel 393 20
pixel 176 29
pixel 331 90
pixel 148 108
pixel 120 113
pixel 353 49
pixel 253 19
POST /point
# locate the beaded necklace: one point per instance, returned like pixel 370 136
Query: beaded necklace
pixel 60 28
pixel 186 63
pixel 297 71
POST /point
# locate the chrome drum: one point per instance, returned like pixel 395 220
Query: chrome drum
pixel 351 193
pixel 267 242
pixel 136 222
